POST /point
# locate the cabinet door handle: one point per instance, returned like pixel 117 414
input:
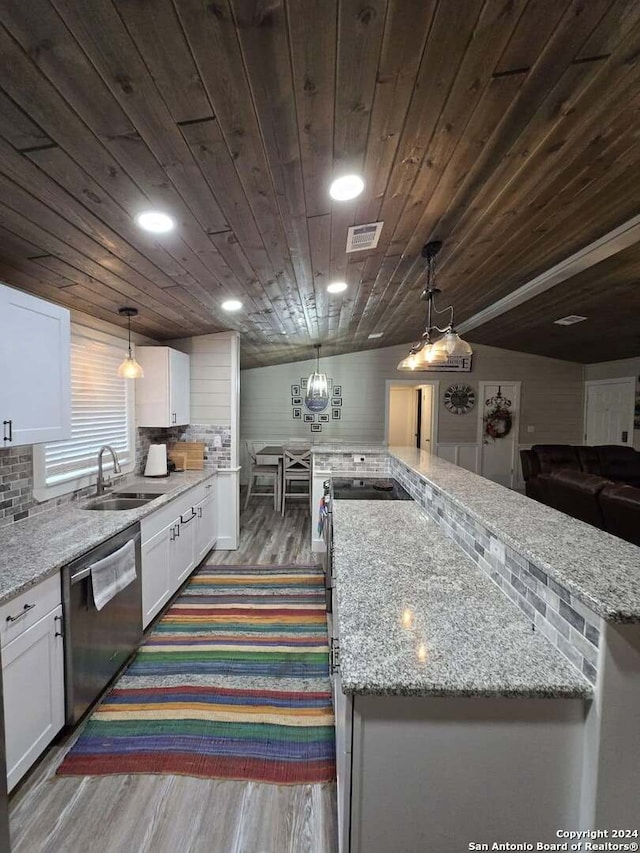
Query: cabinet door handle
pixel 191 517
pixel 334 656
pixel 25 610
pixel 176 531
pixel 10 425
pixel 173 417
pixel 199 512
pixel 59 633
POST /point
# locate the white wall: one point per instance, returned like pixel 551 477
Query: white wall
pixel 617 370
pixel 551 402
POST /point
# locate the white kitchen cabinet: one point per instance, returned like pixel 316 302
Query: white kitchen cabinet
pixel 35 393
pixel 174 540
pixel 33 676
pixel 184 546
pixel 163 395
pixel 207 521
pixel 156 572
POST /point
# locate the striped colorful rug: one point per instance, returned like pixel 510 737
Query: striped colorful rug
pixel 231 684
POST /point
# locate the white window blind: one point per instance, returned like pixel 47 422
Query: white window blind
pixel 101 412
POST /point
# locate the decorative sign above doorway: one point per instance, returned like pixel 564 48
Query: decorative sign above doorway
pixel 455 363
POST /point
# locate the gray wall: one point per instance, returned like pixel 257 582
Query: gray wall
pixel 551 397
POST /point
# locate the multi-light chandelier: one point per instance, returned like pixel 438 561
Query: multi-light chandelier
pixel 427 353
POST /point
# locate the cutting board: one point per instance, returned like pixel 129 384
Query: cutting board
pixel 189 452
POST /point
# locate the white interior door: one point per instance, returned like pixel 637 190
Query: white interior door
pixel 609 408
pixel 402 416
pixel 498 456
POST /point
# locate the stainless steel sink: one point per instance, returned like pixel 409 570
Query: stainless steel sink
pixel 119 503
pixel 146 496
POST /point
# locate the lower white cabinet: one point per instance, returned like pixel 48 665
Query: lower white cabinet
pixel 206 529
pixel 33 676
pixel 184 546
pixel 156 573
pixel 174 541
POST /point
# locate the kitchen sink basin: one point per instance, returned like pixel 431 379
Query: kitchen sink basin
pixel 119 503
pixel 146 496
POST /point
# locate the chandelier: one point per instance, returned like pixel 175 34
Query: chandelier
pixel 428 352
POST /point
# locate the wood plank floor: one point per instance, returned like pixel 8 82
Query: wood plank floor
pixel 179 814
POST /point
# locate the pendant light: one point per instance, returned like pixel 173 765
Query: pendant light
pixel 429 353
pixel 317 393
pixel 130 369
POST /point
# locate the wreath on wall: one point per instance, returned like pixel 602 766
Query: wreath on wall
pixel 498 420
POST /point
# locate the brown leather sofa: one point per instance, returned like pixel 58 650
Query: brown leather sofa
pixel 598 485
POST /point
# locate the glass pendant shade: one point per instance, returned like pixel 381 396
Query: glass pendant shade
pixel 433 354
pixel 317 386
pixel 455 345
pixel 130 369
pixel 316 397
pixel 410 362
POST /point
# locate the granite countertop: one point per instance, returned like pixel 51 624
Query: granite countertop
pixel 336 447
pixel 33 549
pixel 601 570
pixel 464 636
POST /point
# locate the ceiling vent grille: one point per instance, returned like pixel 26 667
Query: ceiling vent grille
pixel 569 320
pixel 361 237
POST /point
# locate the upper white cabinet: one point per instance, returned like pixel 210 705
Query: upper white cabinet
pixel 163 396
pixel 35 392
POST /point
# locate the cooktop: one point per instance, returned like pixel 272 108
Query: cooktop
pixel 368 489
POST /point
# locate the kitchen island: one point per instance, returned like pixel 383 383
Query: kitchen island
pixel 471 718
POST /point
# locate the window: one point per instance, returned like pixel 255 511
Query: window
pixel 101 413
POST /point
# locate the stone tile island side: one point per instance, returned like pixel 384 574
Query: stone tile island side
pixel 483 658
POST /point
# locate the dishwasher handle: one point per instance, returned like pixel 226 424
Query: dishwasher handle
pixel 85 571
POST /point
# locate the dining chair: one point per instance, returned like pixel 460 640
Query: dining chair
pixel 296 469
pixel 268 472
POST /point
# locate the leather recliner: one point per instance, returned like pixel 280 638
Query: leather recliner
pixel 576 493
pixel 621 511
pixel 619 463
pixel 551 457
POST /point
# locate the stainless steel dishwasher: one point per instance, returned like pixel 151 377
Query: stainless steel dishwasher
pixel 98 642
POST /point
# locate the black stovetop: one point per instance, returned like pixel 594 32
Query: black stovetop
pixel 368 489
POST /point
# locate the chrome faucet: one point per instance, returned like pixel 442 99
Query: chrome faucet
pixel 116 467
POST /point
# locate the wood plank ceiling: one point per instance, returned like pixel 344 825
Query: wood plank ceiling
pixel 506 128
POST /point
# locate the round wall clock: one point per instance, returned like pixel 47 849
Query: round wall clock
pixel 459 399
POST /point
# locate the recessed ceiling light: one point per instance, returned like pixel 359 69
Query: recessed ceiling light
pixel 569 320
pixel 337 286
pixel 346 187
pixel 375 335
pixel 232 305
pixel 155 221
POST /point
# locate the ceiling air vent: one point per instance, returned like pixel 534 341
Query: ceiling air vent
pixel 569 320
pixel 361 237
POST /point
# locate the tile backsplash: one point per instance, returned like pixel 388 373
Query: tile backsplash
pixel 214 457
pixel 16 467
pixel 16 487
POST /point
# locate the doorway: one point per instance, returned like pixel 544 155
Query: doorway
pixel 411 414
pixel 498 454
pixel 608 411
